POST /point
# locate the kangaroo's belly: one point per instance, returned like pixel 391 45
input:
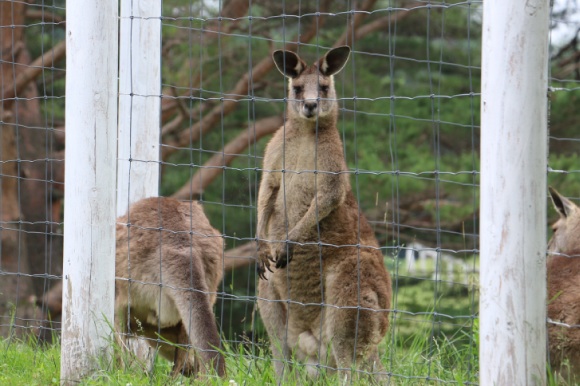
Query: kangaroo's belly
pixel 154 306
pixel 300 284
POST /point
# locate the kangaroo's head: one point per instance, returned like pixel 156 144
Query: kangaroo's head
pixel 311 91
pixel 566 238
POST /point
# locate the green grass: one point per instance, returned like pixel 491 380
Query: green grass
pixel 24 363
pixel 410 362
pixel 418 360
pixel 422 347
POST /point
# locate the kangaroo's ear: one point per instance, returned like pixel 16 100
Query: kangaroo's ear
pixel 288 63
pixel 334 60
pixel 564 206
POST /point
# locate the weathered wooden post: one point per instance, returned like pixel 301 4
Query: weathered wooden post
pixel 90 173
pixel 139 102
pixel 513 192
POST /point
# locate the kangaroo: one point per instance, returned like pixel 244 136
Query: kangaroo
pixel 326 295
pixel 168 259
pixel 563 268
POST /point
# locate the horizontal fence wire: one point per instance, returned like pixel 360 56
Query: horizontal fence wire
pixel 408 118
pixel 563 174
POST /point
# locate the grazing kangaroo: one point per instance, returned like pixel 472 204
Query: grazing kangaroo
pixel 326 299
pixel 168 259
pixel 564 288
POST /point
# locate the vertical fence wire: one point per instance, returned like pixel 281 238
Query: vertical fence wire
pixel 420 239
pixel 564 176
pixel 31 168
pixel 409 122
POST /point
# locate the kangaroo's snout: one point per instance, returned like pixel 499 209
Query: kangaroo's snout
pixel 310 109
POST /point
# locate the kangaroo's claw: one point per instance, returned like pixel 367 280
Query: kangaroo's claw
pixel 261 271
pixel 285 256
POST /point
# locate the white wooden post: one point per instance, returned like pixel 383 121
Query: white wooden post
pixel 513 192
pixel 90 172
pixel 139 102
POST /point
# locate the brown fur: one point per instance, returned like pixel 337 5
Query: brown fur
pixel 331 257
pixel 189 264
pixel 172 256
pixel 564 289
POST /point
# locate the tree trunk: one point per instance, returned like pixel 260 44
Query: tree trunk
pixel 16 289
pixel 44 238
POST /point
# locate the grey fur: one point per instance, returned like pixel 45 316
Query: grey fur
pixel 342 267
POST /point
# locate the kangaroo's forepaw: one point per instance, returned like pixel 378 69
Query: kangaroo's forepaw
pixel 284 255
pixel 261 268
pixel 264 260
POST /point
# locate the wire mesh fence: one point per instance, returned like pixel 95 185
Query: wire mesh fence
pixel 408 120
pixel 33 75
pixel 563 176
pixel 410 84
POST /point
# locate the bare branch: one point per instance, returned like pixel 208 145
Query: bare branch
pixel 8 53
pixel 234 9
pixel 173 124
pixel 241 256
pixel 380 23
pixel 35 68
pixel 215 165
pixel 47 17
pixel 358 18
pixel 571 45
pixel 222 109
pixel 241 89
pixel 232 12
pixel 568 69
pixel 574 58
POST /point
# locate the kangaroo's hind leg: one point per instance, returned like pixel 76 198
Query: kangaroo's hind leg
pixel 173 344
pixel 184 361
pixel 273 313
pixel 190 295
pixel 355 328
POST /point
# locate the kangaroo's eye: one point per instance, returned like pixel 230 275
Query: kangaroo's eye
pixel 323 88
pixel 297 89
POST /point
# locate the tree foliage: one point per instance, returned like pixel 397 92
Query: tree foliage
pixel 409 114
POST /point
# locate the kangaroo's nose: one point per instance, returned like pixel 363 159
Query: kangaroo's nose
pixel 310 106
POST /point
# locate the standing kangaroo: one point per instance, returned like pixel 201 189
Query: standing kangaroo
pixel 326 300
pixel 564 288
pixel 168 268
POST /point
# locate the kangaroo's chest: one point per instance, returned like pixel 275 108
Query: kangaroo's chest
pixel 300 156
pixel 300 164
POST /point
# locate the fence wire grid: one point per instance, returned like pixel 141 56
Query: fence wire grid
pixel 409 101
